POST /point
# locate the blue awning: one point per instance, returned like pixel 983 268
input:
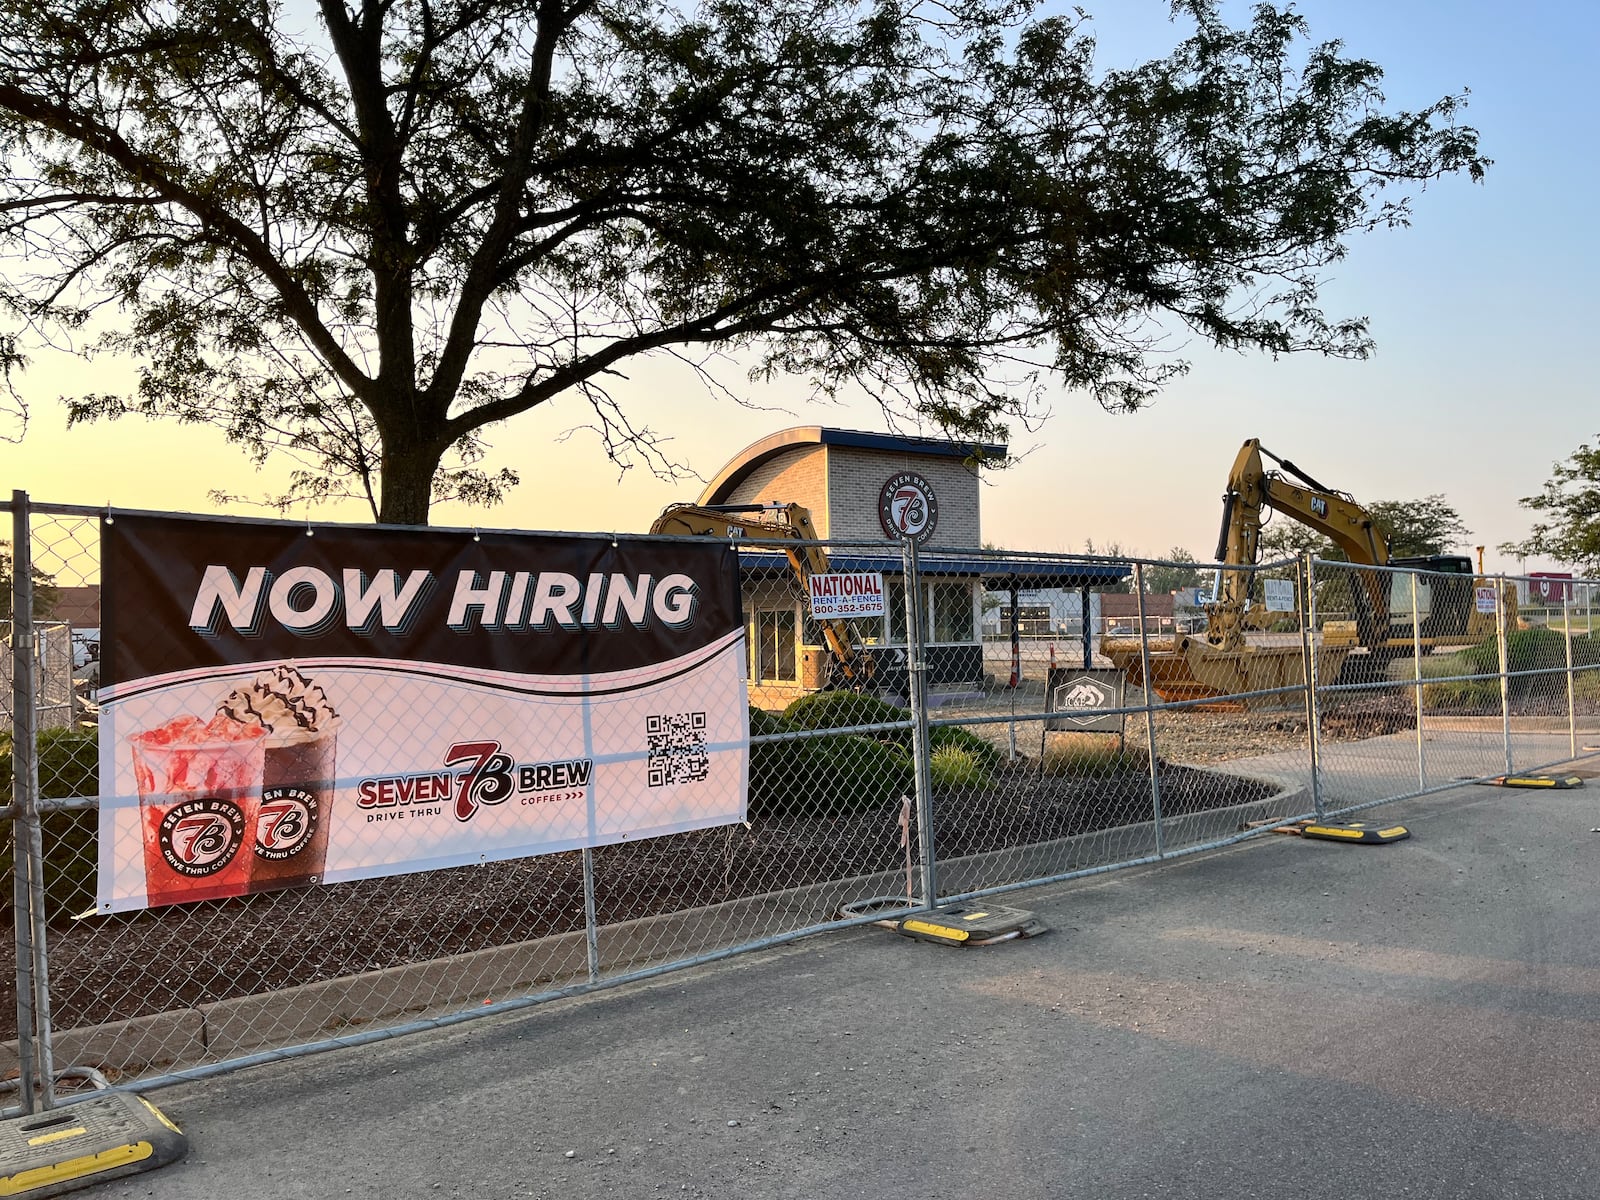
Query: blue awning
pixel 995 572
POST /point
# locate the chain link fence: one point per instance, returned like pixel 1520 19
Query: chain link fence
pixel 1447 678
pixel 1005 719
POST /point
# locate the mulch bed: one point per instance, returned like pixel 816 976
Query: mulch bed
pixel 109 968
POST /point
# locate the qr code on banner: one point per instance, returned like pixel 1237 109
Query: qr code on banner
pixel 677 748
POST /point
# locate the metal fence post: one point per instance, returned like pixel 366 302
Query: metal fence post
pixel 24 765
pixel 1505 666
pixel 36 1071
pixel 1149 711
pixel 916 666
pixel 1416 680
pixel 591 921
pixel 1572 698
pixel 1308 633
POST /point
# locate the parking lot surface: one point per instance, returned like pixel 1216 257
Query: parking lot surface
pixel 1283 1018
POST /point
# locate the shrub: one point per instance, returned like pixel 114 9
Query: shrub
pixel 957 767
pixel 1462 695
pixel 1536 649
pixel 1586 651
pixel 1092 755
pixel 817 776
pixel 842 710
pixel 845 710
pixel 68 766
pixel 985 753
pixel 1586 685
pixel 763 723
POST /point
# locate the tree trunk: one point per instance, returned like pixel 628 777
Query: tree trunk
pixel 406 485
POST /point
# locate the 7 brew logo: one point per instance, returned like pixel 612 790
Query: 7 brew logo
pixel 201 837
pixel 907 507
pixel 287 823
pixel 487 779
pixel 489 776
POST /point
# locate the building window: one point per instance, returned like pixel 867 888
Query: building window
pixel 894 599
pixel 946 612
pixel 772 647
pixel 894 602
pixel 952 612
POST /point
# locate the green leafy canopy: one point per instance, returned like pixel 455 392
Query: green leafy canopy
pixel 1568 528
pixel 370 237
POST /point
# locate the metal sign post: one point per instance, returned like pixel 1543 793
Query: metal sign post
pixel 916 662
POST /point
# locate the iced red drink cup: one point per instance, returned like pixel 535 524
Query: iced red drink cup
pixel 291 840
pixel 199 798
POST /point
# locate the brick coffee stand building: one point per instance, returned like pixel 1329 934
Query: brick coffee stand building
pixel 865 488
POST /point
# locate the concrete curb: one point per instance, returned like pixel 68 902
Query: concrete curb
pixel 232 1028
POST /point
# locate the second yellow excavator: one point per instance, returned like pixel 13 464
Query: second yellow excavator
pixel 1222 662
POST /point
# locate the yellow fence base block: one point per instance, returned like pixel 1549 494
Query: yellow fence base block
pixel 970 924
pixel 87 1142
pixel 1536 781
pixel 1366 833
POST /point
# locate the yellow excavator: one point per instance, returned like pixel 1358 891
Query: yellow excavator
pixel 790 526
pixel 1223 662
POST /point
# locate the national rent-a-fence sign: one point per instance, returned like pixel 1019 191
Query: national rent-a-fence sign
pixel 284 705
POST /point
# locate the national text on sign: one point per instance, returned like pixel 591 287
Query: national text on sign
pixel 859 592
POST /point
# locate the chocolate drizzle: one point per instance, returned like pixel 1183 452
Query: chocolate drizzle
pixel 283 702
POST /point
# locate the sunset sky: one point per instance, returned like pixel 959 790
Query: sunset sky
pixel 1484 312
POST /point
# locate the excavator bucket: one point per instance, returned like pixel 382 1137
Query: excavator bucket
pixel 1191 669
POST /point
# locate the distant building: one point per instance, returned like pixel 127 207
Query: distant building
pixel 857 485
pixel 1121 610
pixel 77 606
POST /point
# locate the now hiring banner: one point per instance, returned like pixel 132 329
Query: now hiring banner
pixel 285 705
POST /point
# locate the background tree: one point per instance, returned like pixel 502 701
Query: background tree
pixel 45 592
pixel 1418 528
pixel 1569 530
pixel 1172 574
pixel 1287 538
pixel 1113 551
pixel 370 241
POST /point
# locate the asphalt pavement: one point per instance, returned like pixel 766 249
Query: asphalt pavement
pixel 1282 1018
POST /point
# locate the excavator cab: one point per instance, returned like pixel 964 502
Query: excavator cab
pixel 1444 596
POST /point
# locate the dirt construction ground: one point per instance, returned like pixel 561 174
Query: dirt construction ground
pixel 1282 1018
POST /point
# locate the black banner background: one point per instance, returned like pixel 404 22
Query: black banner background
pixel 153 565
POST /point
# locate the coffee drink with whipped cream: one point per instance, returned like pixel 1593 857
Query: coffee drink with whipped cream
pixel 298 779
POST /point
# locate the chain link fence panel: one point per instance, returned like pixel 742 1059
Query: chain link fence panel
pixel 1081 713
pixel 1549 663
pixel 1094 768
pixel 1449 677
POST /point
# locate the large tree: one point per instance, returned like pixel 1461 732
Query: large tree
pixel 1568 528
pixel 370 235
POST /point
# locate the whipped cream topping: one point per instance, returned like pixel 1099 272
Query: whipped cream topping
pixel 283 702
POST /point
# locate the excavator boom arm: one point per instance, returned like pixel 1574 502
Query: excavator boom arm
pixel 1253 488
pixel 790 527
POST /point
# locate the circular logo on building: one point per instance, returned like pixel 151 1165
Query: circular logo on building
pixel 907 507
pixel 200 837
pixel 287 823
